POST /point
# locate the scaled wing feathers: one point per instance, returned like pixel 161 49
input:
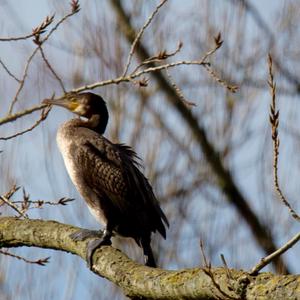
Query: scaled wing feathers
pixel 117 174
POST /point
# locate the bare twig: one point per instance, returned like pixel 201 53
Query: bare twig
pixel 14 207
pixel 41 29
pixel 13 39
pixel 218 43
pixel 226 266
pixel 11 192
pixel 39 203
pixel 274 120
pixel 266 260
pixel 26 202
pixel 178 90
pixel 43 117
pixel 128 78
pixel 11 118
pixel 202 61
pixel 208 271
pixel 22 82
pixel 213 74
pixel 9 72
pixel 37 31
pixel 51 69
pixel 132 76
pixel 41 262
pixel 163 55
pixel 75 6
pixel 139 35
pixel 63 19
pixel 206 263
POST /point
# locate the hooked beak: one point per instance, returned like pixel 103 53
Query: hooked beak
pixel 63 102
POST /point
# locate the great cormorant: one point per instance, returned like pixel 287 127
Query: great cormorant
pixel 107 176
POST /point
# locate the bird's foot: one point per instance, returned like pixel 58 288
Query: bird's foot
pixel 91 248
pixel 84 234
pixel 101 238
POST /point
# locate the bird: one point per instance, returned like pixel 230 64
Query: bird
pixel 108 176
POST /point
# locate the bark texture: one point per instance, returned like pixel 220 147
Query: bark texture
pixel 140 282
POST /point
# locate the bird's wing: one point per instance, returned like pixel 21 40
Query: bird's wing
pixel 114 170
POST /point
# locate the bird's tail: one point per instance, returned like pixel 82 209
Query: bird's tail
pixel 148 254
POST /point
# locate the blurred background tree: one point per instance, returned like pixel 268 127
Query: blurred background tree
pixel 201 201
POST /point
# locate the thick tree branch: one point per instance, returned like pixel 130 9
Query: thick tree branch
pixel 225 180
pixel 143 282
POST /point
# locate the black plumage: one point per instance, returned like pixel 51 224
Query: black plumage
pixel 108 176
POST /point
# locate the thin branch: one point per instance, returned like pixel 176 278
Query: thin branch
pixel 41 262
pixel 9 72
pixel 218 43
pixel 22 82
pixel 178 91
pixel 132 76
pixel 226 266
pixel 11 192
pixel 13 39
pixel 136 73
pixel 39 203
pixel 37 32
pixel 74 11
pixel 213 74
pixel 163 55
pixel 139 35
pixel 208 271
pixel 266 260
pixel 14 207
pixel 11 118
pixel 51 69
pixel 129 78
pixel 43 117
pixel 206 262
pixel 274 120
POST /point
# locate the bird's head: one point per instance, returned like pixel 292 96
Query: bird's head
pixel 86 105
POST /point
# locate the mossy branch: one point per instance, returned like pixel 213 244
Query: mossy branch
pixel 138 281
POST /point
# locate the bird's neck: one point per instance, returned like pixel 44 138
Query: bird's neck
pixel 96 123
